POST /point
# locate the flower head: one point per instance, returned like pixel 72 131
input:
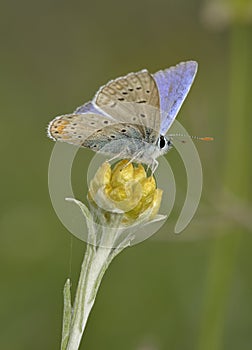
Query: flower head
pixel 127 190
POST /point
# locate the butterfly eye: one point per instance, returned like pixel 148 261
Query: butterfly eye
pixel 162 142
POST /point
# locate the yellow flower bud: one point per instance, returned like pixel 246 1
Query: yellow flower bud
pixel 127 190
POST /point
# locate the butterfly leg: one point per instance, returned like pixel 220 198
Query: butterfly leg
pixel 137 157
pixel 154 166
pixel 124 155
pixel 119 155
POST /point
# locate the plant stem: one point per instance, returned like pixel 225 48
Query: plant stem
pixel 95 263
pixel 105 242
pixel 93 267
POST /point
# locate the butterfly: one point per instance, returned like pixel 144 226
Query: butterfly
pixel 129 117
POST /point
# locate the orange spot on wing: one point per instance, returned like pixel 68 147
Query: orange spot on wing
pixel 60 127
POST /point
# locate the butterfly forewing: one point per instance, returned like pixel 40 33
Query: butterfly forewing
pixel 133 98
pixel 137 87
pixel 174 84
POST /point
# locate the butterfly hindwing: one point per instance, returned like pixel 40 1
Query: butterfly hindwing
pixel 76 128
pixel 122 139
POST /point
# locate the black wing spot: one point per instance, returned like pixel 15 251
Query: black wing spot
pixel 121 99
pixel 112 136
pixel 141 101
pixel 130 89
pixel 124 93
pixel 123 130
pixel 56 132
pixel 142 115
pixel 79 136
pixel 139 87
pixel 92 123
pixel 147 91
pixel 105 122
pixel 74 124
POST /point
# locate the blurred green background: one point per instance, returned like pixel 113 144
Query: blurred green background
pixel 190 292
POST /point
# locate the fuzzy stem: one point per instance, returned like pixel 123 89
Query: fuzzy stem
pixel 95 264
pixel 93 268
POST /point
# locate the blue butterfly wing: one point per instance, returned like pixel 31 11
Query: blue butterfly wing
pixel 173 85
pixel 90 108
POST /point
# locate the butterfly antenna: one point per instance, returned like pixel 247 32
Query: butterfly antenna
pixel 206 138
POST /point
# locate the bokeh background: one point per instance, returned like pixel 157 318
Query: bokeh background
pixel 190 292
